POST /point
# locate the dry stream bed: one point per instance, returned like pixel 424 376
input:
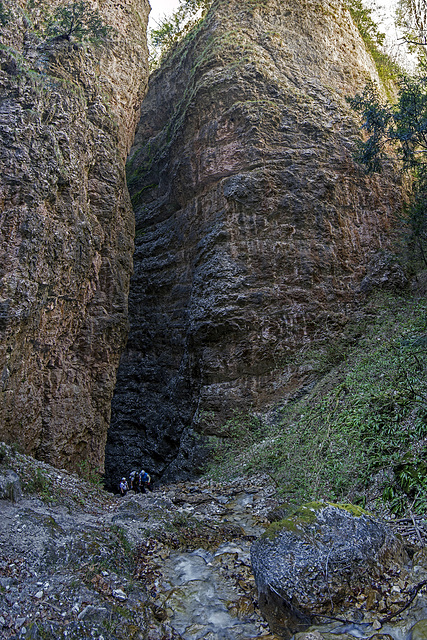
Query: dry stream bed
pixel 76 562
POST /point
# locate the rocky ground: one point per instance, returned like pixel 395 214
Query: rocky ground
pixel 78 562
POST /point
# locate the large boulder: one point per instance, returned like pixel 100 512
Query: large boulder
pixel 318 561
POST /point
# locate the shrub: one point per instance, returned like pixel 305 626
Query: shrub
pixel 77 21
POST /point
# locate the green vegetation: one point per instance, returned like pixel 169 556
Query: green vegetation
pixel 364 424
pixel 122 542
pixel 88 473
pixel 374 40
pixel 40 483
pixel 412 20
pixel 304 515
pixel 399 130
pixel 174 28
pixel 77 21
pixel 368 28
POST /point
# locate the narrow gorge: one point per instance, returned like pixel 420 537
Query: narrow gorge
pixel 198 280
pixel 254 226
pixel 251 231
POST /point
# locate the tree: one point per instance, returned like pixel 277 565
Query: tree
pixel 399 131
pixel 173 28
pixel 362 17
pixel 412 18
pixel 77 21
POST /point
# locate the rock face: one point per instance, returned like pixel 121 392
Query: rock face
pixel 67 118
pixel 318 561
pixel 253 225
pixel 10 486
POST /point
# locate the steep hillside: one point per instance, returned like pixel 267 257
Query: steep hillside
pixel 254 228
pixel 360 434
pixel 68 110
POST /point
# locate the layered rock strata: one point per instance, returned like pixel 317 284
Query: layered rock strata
pixel 253 224
pixel 68 112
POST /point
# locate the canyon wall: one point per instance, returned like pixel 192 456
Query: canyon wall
pixel 68 112
pixel 254 226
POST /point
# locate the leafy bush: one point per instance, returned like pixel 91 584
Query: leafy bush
pixel 77 21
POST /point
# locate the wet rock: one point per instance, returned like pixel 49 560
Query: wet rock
pixel 10 486
pixel 321 558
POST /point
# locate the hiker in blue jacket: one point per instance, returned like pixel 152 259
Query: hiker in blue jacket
pixel 144 481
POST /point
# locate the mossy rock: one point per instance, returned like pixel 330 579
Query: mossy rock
pixel 306 514
pixel 316 559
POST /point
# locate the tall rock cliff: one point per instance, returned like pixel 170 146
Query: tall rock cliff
pixel 68 113
pixel 253 224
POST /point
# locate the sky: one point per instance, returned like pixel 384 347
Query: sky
pixel 160 8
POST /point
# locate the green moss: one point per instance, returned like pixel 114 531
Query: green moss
pixel 136 197
pixel 306 515
pixel 297 520
pixel 354 509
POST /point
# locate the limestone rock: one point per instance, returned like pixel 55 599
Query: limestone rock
pixel 254 227
pixel 384 272
pixel 418 631
pixel 309 635
pixel 10 486
pixel 67 118
pixel 319 560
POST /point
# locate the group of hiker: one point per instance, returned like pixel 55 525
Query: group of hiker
pixel 138 482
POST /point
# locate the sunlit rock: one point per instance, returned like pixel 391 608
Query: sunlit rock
pixel 67 118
